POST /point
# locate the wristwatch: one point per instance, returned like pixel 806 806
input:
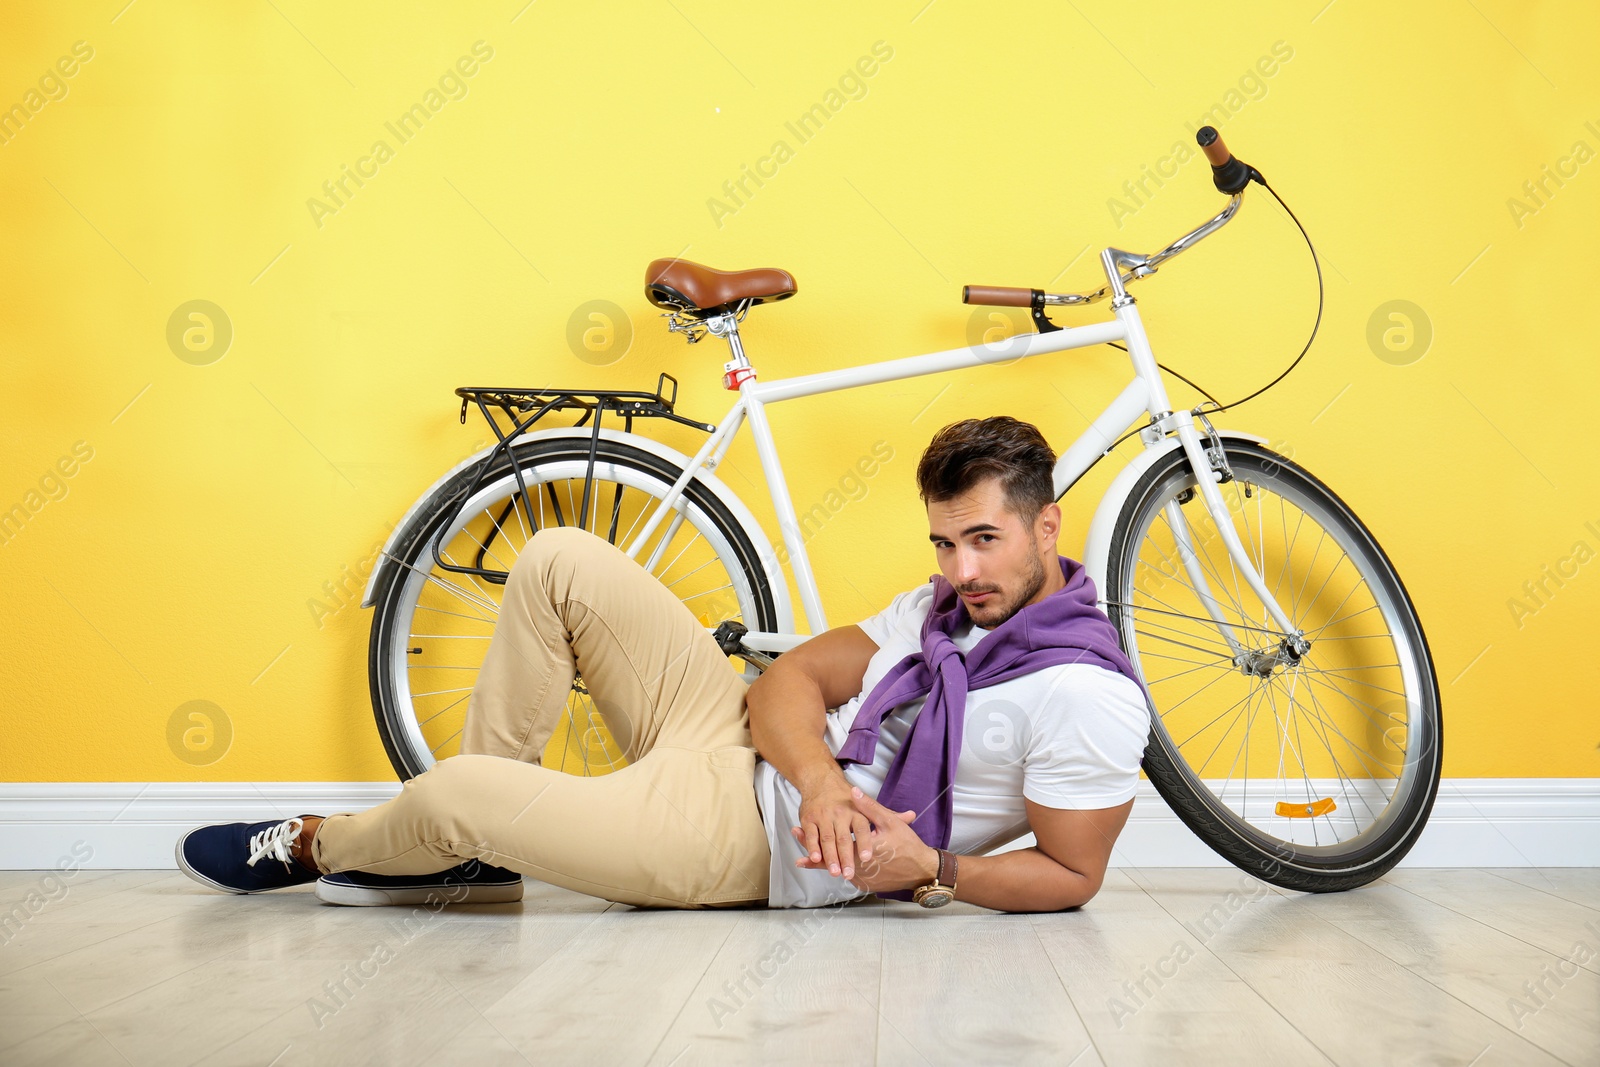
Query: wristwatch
pixel 942 890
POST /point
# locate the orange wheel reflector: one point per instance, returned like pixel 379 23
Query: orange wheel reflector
pixel 1306 811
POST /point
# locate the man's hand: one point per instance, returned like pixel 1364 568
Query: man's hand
pixel 893 856
pixel 832 831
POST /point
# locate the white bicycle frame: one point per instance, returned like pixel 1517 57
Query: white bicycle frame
pixel 1145 395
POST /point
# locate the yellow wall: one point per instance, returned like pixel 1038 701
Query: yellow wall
pixel 180 561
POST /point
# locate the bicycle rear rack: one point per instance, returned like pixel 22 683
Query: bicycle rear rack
pixel 515 403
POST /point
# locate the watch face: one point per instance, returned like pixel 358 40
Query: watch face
pixel 936 898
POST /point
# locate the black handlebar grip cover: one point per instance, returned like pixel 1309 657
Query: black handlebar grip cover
pixel 1229 174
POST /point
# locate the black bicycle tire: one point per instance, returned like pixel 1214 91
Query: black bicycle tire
pixel 1282 867
pixel 442 504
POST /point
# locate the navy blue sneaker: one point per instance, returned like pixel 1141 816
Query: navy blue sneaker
pixel 472 882
pixel 243 857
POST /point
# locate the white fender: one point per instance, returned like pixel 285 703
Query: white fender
pixel 1097 545
pixel 581 435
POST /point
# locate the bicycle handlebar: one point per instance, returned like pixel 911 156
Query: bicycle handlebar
pixel 1228 173
pixel 1003 296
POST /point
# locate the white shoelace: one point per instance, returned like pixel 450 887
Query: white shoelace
pixel 275 842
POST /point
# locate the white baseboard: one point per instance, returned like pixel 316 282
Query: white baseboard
pixel 1476 822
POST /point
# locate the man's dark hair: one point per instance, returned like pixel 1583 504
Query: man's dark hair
pixel 967 452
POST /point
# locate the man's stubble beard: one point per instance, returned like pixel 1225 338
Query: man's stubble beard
pixel 1035 582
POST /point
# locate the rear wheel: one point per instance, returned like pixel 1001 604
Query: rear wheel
pixel 1315 772
pixel 431 626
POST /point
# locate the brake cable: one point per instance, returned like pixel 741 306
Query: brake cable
pixel 1315 326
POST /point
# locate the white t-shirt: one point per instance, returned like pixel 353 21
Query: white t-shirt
pixel 1068 736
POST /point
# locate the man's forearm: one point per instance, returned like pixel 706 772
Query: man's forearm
pixel 787 717
pixel 1024 879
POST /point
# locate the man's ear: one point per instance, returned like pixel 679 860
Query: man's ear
pixel 1047 526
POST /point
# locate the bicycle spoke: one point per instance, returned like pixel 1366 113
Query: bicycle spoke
pixel 707 592
pixel 1203 667
pixel 1248 700
pixel 1194 694
pixel 675 559
pixel 446 741
pixel 1185 742
pixel 1204 619
pixel 1305 772
pixel 1143 655
pixel 1376 768
pixel 1343 557
pixel 456 614
pixel 496 524
pixel 1322 720
pixel 1222 650
pixel 441 711
pixel 1355 700
pixel 454 589
pixel 1158 637
pixel 691 574
pixel 1205 562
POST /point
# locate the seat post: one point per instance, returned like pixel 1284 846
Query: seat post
pixel 726 326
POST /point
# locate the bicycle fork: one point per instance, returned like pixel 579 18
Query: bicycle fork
pixel 1209 463
pixel 1210 467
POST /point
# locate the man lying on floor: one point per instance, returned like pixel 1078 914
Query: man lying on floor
pixel 990 701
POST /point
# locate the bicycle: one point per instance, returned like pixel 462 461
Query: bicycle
pixel 1229 589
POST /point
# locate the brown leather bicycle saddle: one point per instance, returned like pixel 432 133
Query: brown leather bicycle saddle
pixel 679 285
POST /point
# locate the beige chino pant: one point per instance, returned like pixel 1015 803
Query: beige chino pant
pixel 677 827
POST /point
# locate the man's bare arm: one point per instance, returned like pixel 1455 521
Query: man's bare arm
pixel 788 706
pixel 1064 870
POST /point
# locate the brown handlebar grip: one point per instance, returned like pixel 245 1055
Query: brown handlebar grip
pixel 1216 152
pixel 997 296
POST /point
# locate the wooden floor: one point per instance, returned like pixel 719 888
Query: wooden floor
pixel 1163 967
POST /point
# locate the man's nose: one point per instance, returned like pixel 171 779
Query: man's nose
pixel 966 567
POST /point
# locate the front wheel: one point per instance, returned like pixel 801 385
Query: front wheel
pixel 1313 771
pixel 431 625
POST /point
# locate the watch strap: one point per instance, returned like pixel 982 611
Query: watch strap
pixel 946 875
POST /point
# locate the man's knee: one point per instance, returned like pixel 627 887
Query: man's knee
pixel 454 780
pixel 462 794
pixel 553 551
